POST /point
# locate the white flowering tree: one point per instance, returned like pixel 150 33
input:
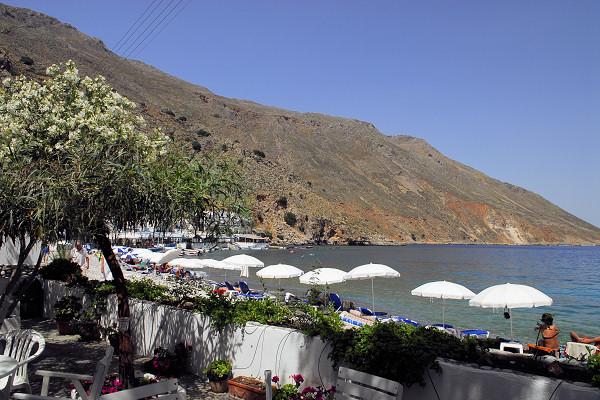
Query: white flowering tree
pixel 76 159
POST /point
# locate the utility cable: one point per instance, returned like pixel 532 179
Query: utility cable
pixel 556 388
pixel 131 27
pixel 133 42
pixel 153 29
pixel 164 26
pixel 431 380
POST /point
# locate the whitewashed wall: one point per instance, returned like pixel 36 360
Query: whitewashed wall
pixel 9 253
pixel 285 352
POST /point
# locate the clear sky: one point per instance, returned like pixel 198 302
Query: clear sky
pixel 510 88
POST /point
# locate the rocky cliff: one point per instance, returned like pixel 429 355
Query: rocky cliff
pixel 338 180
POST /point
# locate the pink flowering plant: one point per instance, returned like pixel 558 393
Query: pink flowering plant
pixel 111 385
pixel 291 391
pixel 165 363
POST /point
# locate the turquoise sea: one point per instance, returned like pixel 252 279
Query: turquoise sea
pixel 568 274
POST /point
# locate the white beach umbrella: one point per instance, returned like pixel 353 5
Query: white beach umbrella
pixel 245 262
pixel 143 254
pixel 372 271
pixel 183 262
pixel 323 276
pixel 162 258
pixel 279 271
pixel 443 290
pixel 212 263
pixel 510 296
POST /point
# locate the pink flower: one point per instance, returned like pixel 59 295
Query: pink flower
pixel 275 379
pixel 298 378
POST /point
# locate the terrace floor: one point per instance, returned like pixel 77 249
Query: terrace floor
pixel 67 353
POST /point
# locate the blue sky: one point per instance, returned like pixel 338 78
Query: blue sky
pixel 511 88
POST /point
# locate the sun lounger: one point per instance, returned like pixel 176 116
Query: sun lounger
pixel 404 320
pixel 367 311
pixel 246 291
pixel 353 321
pixel 446 328
pixel 337 302
pixel 477 333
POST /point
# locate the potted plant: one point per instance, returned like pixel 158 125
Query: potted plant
pixel 65 311
pixel 87 326
pixel 218 373
pixel 111 334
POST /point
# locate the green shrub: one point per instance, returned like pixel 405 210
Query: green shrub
pixel 290 218
pixel 202 133
pixel 27 60
pixel 280 236
pixel 169 112
pixel 593 367
pixel 60 269
pixel 196 145
pixel 146 289
pixel 182 119
pixel 67 308
pixel 269 235
pixel 282 202
pixel 259 153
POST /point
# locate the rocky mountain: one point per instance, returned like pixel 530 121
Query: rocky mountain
pixel 315 178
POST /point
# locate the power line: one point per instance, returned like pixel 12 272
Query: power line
pixel 165 17
pixel 148 27
pixel 158 33
pixel 131 27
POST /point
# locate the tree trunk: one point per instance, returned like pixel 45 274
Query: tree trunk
pixel 126 370
pixel 22 289
pixel 8 299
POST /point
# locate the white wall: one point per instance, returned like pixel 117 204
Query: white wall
pixel 9 254
pixel 286 352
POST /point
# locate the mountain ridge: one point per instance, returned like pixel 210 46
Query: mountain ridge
pixel 345 181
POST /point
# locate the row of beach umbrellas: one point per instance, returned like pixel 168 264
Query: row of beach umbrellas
pixel 507 296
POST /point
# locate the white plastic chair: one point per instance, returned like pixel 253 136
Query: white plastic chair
pixel 97 381
pixel 353 385
pixel 24 345
pixel 166 390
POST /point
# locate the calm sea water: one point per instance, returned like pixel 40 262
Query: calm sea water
pixel 570 275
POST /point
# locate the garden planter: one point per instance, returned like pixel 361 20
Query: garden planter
pixel 89 331
pixel 64 327
pixel 247 388
pixel 219 386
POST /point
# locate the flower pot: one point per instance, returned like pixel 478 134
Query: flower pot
pixel 64 327
pixel 219 386
pixel 247 388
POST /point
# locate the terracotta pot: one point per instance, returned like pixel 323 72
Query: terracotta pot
pixel 246 388
pixel 219 386
pixel 64 327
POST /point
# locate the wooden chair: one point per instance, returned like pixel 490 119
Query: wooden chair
pixel 24 345
pixel 97 380
pixel 352 385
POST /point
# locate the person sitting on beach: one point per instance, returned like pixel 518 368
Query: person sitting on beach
pixel 585 339
pixel 549 332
